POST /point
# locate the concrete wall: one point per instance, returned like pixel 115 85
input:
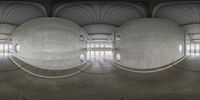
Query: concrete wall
pixel 149 43
pixel 49 43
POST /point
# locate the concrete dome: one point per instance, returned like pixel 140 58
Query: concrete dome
pixel 148 44
pixel 49 43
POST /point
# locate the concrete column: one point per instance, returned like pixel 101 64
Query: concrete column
pixel 49 43
pixel 149 43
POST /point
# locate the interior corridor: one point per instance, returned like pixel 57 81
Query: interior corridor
pixel 99 50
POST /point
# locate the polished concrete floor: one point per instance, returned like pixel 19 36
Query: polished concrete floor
pixel 102 81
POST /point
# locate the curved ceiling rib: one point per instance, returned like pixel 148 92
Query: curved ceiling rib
pixel 182 13
pixel 99 19
pixel 193 28
pixel 13 14
pixel 16 13
pixel 193 31
pixel 99 12
pixel 7 29
pixel 99 28
pixel 186 14
pixel 100 31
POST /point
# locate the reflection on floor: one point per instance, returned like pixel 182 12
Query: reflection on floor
pixel 6 64
pixel 171 84
pixel 192 63
pixel 101 62
pixel 193 54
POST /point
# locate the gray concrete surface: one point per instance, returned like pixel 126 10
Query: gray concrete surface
pixel 144 39
pixel 192 63
pixel 49 43
pixel 6 64
pixel 171 84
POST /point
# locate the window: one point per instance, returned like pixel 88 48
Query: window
pixel 99 50
pixel 5 48
pixel 193 49
pixel 1 48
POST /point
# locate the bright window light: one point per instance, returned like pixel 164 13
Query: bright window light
pixel 82 58
pixel 1 48
pixel 180 48
pixel 118 57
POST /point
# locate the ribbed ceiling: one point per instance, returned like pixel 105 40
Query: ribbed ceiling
pixel 13 14
pixel 186 14
pixel 99 13
pixel 193 32
pixel 192 28
pixel 182 13
pixel 17 13
pixel 7 28
pixel 101 18
pixel 99 29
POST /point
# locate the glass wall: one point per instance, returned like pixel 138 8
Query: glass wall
pixel 5 48
pixel 193 49
pixel 100 51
